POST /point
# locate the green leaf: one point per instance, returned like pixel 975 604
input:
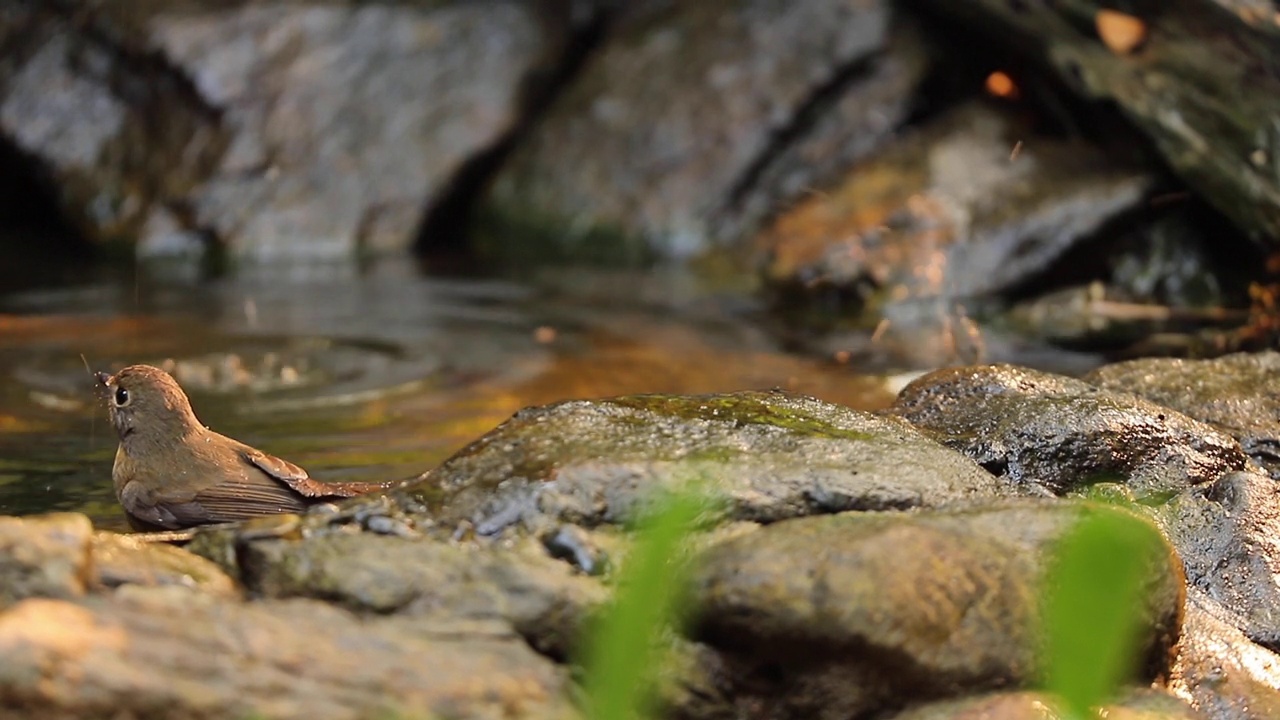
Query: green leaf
pixel 1093 603
pixel 625 654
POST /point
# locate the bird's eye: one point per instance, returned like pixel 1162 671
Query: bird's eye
pixel 122 397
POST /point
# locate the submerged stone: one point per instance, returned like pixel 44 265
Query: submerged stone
pixel 765 455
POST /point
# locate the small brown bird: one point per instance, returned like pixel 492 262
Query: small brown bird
pixel 172 472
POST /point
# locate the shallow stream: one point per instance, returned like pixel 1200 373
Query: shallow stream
pixel 357 372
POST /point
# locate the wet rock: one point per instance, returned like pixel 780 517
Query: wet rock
pixel 1181 86
pixel 126 560
pixel 1219 671
pixel 60 556
pixel 1239 394
pixel 694 119
pixel 1062 434
pixel 846 615
pixel 298 129
pixel 946 211
pixel 766 455
pixel 538 596
pixel 1138 704
pixel 1228 536
pixel 45 556
pixel 171 652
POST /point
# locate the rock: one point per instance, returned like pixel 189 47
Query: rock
pixel 536 595
pixel 847 615
pixel 60 556
pixel 1219 671
pixel 1238 394
pixel 692 685
pixel 1228 536
pixel 45 556
pixel 1137 704
pixel 1062 434
pixel 1182 87
pixel 88 115
pixel 171 652
pixel 766 455
pixel 125 560
pixel 944 211
pixel 297 129
pixel 852 125
pixel 579 546
pixel 694 119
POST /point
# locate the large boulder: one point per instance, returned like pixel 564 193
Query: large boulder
pixel 1193 75
pixel 767 455
pixel 847 615
pixel 694 120
pixel 303 129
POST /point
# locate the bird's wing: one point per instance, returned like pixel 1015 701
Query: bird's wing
pixel 297 479
pixel 253 495
pixel 147 513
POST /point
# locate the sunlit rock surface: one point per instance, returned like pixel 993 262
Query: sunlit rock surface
pixel 1223 674
pixel 1228 535
pixel 1137 704
pixel 1238 394
pixel 60 556
pixel 767 455
pixel 177 653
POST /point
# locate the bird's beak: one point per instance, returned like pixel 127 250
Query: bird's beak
pixel 103 378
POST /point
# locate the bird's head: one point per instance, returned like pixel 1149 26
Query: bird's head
pixel 145 402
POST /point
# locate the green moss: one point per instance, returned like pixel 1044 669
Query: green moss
pixel 1111 490
pixel 740 408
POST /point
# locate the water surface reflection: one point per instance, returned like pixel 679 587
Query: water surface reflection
pixel 359 372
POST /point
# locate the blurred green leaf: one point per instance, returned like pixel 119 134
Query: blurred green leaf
pixel 626 653
pixel 1093 602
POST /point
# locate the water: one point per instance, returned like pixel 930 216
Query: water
pixel 357 372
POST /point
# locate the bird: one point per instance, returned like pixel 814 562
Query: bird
pixel 171 472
